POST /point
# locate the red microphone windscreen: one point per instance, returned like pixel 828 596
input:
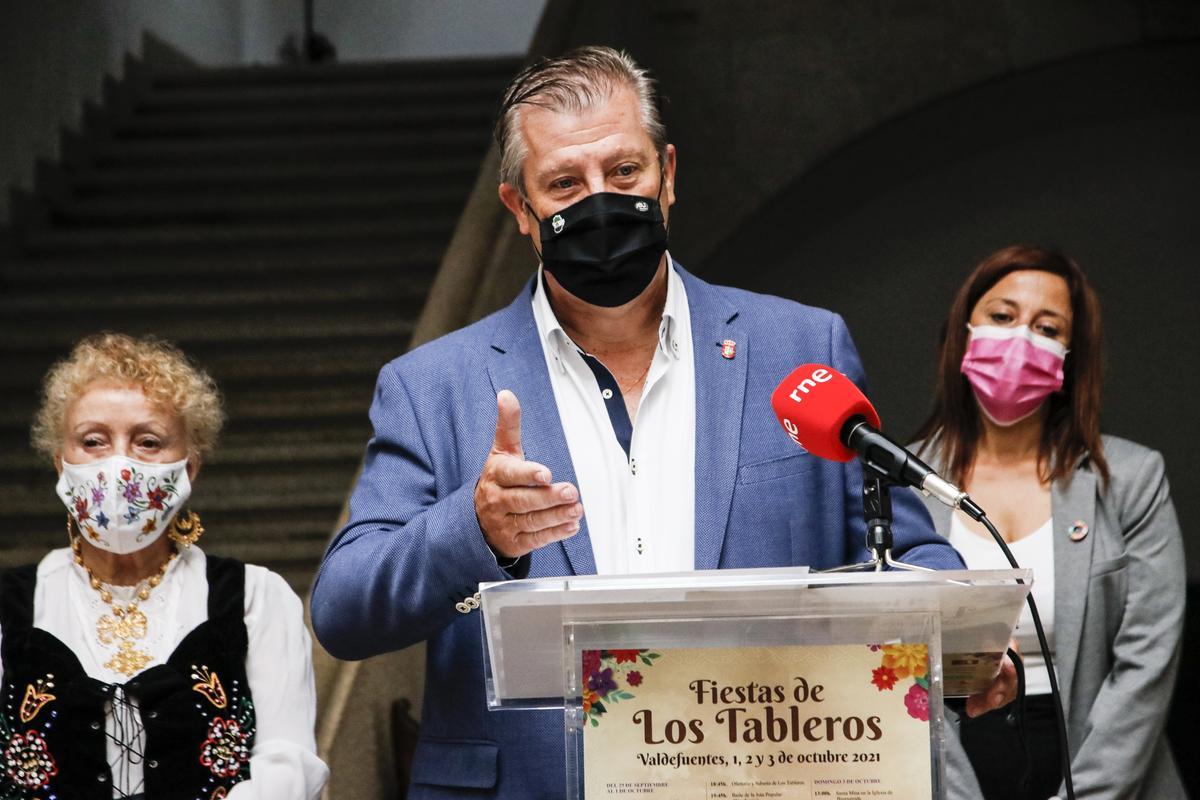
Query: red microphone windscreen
pixel 813 403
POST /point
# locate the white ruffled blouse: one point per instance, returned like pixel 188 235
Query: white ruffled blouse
pixel 283 762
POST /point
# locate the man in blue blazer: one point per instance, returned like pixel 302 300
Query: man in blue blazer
pixel 582 375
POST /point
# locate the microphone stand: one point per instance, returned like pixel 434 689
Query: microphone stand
pixel 877 512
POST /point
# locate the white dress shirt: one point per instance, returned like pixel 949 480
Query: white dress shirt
pixel 283 762
pixel 1034 551
pixel 640 508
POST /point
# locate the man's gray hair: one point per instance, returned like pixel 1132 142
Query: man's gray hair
pixel 572 82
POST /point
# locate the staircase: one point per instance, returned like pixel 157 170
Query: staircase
pixel 283 226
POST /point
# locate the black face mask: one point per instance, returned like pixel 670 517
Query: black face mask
pixel 604 249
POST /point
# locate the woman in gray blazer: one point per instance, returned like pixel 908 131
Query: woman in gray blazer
pixel 1016 424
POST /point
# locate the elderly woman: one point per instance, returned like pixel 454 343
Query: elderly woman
pixel 133 664
pixel 1017 424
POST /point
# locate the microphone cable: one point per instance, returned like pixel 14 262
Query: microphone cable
pixel 1064 751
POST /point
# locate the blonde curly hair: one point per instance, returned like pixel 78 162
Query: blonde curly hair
pixel 159 368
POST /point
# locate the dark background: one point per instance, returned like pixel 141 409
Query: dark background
pixel 864 157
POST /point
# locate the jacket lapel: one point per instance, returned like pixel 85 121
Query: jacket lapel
pixel 720 395
pixel 1071 502
pixel 518 363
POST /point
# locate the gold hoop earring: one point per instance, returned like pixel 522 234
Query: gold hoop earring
pixel 185 532
pixel 73 536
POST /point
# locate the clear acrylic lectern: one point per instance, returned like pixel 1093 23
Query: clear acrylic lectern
pixel 596 645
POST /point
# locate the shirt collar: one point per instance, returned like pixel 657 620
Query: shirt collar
pixel 558 343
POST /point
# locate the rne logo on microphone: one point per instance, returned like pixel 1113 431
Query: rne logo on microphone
pixel 808 384
pixel 792 431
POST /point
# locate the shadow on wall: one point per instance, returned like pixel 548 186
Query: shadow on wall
pixel 1097 155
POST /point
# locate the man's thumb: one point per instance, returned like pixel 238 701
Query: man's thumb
pixel 508 424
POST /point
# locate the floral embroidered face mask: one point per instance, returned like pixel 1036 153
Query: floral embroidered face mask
pixel 122 505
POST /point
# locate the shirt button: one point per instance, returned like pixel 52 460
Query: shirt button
pixel 633 465
pixel 152 764
pixel 675 345
pixel 102 778
pixel 606 394
pixel 152 715
pixel 95 726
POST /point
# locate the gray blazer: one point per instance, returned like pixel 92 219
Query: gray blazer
pixel 1118 616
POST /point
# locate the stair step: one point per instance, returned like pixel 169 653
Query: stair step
pixel 193 208
pixel 437 142
pixel 414 174
pixel 391 294
pixel 400 72
pixel 213 329
pixel 283 364
pixel 283 226
pixel 385 92
pixel 306 118
pixel 248 266
pixel 225 235
pixel 286 405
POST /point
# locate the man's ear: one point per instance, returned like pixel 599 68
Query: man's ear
pixel 669 177
pixel 58 462
pixel 515 203
pixel 194 463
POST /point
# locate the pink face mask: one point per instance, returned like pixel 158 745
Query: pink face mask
pixel 1012 370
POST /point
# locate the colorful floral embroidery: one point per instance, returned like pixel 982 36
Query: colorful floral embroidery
pixel 209 685
pixel 28 762
pixel 602 676
pixel 901 661
pixel 141 496
pixel 36 698
pixel 226 749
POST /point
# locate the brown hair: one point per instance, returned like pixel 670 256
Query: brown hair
pixel 1072 428
pixel 159 368
pixel 572 82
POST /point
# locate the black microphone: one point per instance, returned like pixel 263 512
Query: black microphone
pixel 887 457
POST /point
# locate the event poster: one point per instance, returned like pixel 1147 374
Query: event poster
pixel 826 722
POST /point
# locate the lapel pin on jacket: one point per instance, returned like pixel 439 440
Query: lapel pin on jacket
pixel 728 348
pixel 1078 530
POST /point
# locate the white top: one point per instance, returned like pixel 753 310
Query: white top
pixel 640 509
pixel 283 761
pixel 1036 552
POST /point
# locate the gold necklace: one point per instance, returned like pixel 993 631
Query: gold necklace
pixel 626 390
pixel 125 625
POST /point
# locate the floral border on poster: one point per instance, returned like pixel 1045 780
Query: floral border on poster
pixel 606 676
pixel 898 663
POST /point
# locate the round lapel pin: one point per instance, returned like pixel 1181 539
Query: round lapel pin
pixel 1078 530
pixel 728 348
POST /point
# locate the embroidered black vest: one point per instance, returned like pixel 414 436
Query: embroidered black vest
pixel 196 708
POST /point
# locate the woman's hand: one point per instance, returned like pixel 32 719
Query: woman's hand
pixel 1001 692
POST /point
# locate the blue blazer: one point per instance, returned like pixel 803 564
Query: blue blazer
pixel 412 548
